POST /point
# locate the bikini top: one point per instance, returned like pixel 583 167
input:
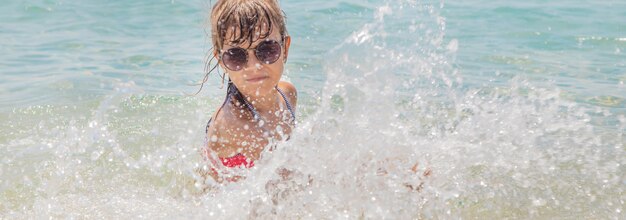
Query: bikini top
pixel 239 159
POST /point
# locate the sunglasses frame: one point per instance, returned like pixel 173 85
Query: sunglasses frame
pixel 256 53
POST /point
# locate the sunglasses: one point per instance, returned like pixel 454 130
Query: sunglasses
pixel 236 58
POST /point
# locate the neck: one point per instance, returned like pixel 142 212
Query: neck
pixel 263 103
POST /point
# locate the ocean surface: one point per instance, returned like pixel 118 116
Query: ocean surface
pixel 516 108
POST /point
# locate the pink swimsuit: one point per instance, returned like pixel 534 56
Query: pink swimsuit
pixel 237 161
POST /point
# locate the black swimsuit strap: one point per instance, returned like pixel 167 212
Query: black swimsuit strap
pixel 293 114
pixel 206 130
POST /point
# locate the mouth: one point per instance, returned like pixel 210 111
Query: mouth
pixel 256 79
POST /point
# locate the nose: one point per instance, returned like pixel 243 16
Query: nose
pixel 253 62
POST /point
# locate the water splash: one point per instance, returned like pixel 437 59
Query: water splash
pixel 393 101
pixel 394 109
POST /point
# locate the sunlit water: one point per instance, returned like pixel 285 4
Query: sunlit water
pixel 517 109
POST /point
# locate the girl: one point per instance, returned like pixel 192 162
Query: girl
pixel 251 44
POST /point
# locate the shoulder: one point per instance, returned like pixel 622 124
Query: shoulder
pixel 219 131
pixel 287 87
pixel 290 91
pixel 215 129
pixel 216 121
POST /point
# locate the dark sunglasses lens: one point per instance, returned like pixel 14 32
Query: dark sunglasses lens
pixel 234 58
pixel 268 52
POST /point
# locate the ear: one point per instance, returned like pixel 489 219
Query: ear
pixel 287 44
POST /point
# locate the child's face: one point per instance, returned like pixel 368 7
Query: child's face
pixel 256 78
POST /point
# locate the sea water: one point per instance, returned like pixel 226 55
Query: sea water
pixel 407 109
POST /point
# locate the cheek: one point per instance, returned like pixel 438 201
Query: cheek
pixel 277 71
pixel 237 79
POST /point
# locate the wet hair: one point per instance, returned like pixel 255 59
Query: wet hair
pixel 245 21
pixel 237 22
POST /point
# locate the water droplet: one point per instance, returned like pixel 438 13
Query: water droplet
pixel 453 46
pixel 95 155
pixel 539 202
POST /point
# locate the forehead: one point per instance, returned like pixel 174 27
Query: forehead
pixel 234 32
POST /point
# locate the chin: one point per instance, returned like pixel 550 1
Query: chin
pixel 256 90
pixel 264 89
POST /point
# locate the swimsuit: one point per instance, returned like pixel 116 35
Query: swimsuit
pixel 239 159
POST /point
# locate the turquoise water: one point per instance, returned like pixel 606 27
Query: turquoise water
pixel 518 108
